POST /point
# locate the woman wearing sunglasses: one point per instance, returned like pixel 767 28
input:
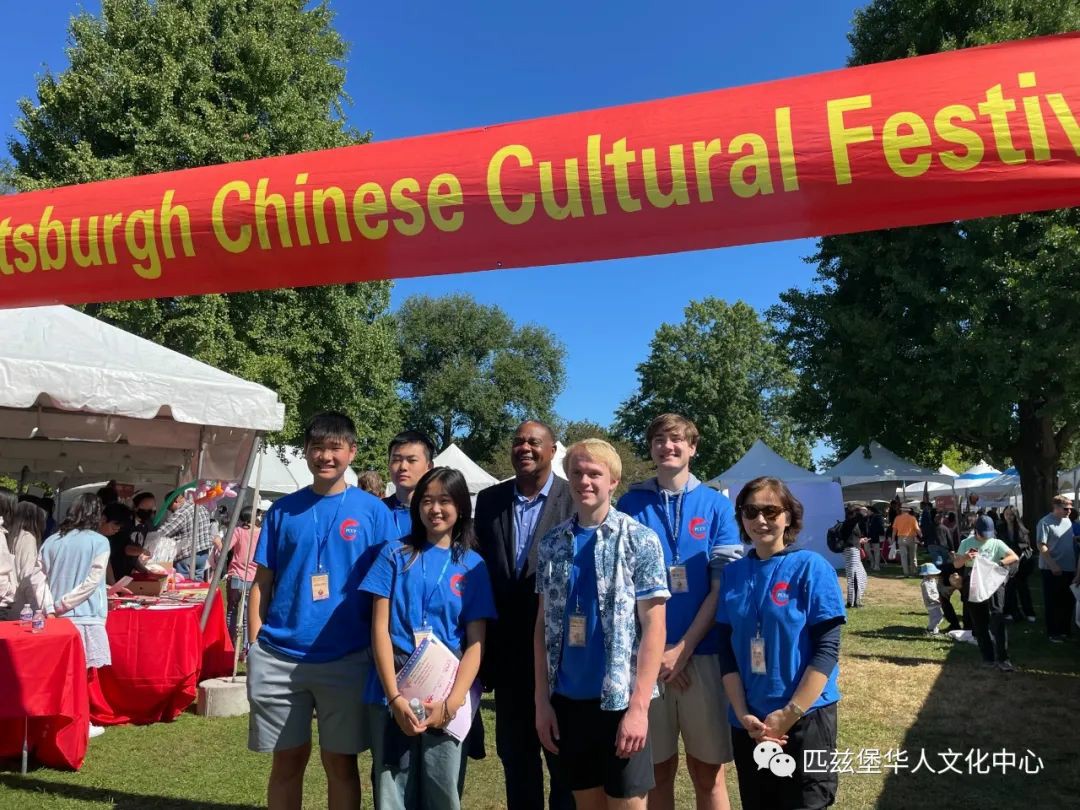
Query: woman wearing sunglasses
pixel 779 616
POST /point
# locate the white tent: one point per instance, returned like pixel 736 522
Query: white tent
pixel 975 476
pixel 284 471
pixel 82 401
pixel 866 478
pixel 557 460
pixel 823 503
pixel 475 476
pixel 933 487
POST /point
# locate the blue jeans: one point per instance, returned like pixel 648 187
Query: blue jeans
pixel 938 554
pixel 183 566
pixel 426 771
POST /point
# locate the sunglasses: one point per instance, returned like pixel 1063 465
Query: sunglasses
pixel 751 511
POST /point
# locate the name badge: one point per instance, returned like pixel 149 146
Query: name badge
pixel 577 630
pixel 320 587
pixel 757 655
pixel 421 634
pixel 677 578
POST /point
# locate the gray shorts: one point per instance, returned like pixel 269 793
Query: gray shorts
pixel 284 694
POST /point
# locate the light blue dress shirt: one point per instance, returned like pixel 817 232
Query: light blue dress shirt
pixel 526 514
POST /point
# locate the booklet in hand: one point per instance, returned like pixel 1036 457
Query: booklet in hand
pixel 429 676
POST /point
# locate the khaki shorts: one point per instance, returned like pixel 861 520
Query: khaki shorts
pixel 699 712
pixel 285 693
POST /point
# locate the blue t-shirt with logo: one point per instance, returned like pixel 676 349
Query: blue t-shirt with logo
pixel 399 514
pixel 787 594
pixel 581 670
pixel 449 593
pixel 304 534
pixel 705 519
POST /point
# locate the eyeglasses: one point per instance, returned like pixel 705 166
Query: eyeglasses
pixel 751 511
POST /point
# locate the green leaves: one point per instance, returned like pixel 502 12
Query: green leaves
pixel 173 84
pixel 721 368
pixel 470 375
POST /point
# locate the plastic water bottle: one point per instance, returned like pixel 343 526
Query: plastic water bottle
pixel 38 622
pixel 26 617
pixel 418 709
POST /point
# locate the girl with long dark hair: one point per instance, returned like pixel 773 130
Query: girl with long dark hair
pixel 21 525
pixel 74 561
pixel 432 583
pixel 1018 604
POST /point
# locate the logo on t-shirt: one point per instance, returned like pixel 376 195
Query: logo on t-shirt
pixel 697 528
pixel 348 529
pixel 457 584
pixel 779 594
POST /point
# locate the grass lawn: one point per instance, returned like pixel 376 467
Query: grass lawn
pixel 901 691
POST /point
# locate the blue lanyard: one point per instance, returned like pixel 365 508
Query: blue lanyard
pixel 759 601
pixel 673 532
pixel 427 597
pixel 320 544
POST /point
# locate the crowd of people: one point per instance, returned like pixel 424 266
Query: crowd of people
pixel 612 636
pixel 607 633
pixel 1000 537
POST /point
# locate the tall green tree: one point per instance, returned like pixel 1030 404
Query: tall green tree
pixel 470 374
pixel 721 368
pixel 953 334
pixel 174 84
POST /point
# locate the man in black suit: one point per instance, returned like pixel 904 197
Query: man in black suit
pixel 511 517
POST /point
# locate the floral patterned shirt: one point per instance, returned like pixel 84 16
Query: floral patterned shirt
pixel 629 567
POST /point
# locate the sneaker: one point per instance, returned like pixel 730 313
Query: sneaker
pixel 96 731
pixel 1006 666
pixel 1057 640
pixel 1031 619
pixel 933 632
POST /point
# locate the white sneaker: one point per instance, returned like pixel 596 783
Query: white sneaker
pixel 96 731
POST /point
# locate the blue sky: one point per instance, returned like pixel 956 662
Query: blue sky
pixel 422 67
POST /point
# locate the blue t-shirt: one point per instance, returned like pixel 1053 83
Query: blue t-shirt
pixel 788 593
pixel 450 592
pixel 705 519
pixel 399 514
pixel 302 535
pixel 581 670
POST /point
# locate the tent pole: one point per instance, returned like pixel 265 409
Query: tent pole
pixel 195 506
pixel 241 618
pixel 227 539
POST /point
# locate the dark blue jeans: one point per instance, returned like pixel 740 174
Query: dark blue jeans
pixel 182 566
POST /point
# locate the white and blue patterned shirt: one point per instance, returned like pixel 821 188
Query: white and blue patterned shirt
pixel 629 567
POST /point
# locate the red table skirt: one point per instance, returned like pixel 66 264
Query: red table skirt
pixel 158 659
pixel 43 678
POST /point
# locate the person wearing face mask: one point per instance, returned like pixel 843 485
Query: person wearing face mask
pixel 779 614
pixel 127 546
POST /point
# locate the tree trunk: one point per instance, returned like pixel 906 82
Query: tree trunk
pixel 1036 458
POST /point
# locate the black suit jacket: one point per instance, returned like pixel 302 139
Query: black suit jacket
pixel 508 659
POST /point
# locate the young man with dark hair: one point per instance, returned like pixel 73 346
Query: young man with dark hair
pixel 699 535
pixel 599 638
pixel 311 626
pixel 511 517
pixel 410 456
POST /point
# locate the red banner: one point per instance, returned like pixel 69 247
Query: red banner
pixel 957 135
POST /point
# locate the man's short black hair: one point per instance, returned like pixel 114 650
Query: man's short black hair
pixel 547 428
pixel 140 497
pixel 116 513
pixel 329 425
pixel 412 437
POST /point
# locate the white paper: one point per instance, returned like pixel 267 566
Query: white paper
pixel 429 676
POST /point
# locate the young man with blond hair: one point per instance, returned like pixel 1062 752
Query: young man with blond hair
pixel 599 638
pixel 699 535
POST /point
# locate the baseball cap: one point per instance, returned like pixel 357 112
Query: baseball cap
pixel 984 526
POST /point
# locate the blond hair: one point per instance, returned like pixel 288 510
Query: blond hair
pixel 595 450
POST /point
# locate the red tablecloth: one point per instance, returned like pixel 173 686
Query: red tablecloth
pixel 43 677
pixel 158 659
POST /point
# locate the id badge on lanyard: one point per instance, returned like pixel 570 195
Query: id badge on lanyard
pixel 757 654
pixel 320 587
pixel 421 634
pixel 576 636
pixel 677 579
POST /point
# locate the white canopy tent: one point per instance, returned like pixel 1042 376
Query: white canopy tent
pixel 475 476
pixel 557 460
pixel 876 476
pixel 932 487
pixel 975 476
pixel 823 503
pixel 82 401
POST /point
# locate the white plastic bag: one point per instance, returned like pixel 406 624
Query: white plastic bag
pixel 986 578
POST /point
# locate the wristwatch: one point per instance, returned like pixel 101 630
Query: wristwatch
pixel 795 709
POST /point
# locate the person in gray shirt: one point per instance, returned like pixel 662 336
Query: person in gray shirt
pixel 1054 540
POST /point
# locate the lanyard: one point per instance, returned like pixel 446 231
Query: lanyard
pixel 320 544
pixel 759 601
pixel 427 597
pixel 673 532
pixel 577 528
